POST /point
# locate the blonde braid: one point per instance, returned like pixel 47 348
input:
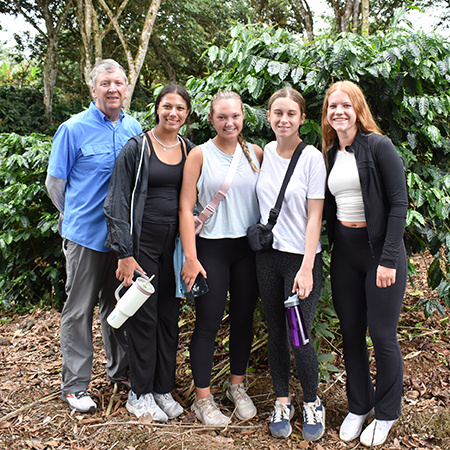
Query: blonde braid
pixel 246 150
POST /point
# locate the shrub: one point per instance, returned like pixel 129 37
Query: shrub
pixel 405 76
pixel 31 260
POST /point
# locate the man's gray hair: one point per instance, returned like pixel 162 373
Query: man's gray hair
pixel 106 66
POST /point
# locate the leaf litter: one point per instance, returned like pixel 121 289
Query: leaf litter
pixel 32 416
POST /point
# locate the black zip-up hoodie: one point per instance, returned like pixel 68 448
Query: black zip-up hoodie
pixel 383 187
pixel 127 194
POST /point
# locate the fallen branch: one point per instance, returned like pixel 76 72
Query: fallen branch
pixel 177 425
pixel 30 405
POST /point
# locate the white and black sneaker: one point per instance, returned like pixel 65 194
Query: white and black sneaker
pixel 79 402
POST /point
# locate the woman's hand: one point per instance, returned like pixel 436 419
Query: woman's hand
pixel 303 283
pixel 190 270
pixel 125 270
pixel 385 276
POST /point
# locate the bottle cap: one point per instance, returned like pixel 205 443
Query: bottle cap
pixel 292 301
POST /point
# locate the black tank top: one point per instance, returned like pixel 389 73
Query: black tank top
pixel 164 185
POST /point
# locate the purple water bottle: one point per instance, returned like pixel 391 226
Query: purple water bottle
pixel 297 329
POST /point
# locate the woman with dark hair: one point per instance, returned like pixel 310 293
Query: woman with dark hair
pixel 365 206
pixel 141 211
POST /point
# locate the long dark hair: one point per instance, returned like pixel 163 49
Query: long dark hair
pixel 173 89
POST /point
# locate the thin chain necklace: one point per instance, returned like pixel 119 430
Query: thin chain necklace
pixel 164 146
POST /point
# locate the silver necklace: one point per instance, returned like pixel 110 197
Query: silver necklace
pixel 164 146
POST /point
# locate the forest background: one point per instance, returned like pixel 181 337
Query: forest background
pixel 254 48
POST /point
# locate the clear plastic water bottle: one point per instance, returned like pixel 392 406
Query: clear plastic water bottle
pixel 297 329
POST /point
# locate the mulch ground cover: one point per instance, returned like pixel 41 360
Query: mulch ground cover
pixel 33 417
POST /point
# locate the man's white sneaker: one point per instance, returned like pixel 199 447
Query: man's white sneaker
pixel 168 404
pixel 245 408
pixel 209 413
pixel 376 432
pixel 352 426
pixel 145 404
pixel 80 402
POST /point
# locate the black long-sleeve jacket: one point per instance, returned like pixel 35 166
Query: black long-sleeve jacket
pixel 127 194
pixel 383 187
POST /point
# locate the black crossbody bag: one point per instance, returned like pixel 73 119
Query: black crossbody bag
pixel 259 236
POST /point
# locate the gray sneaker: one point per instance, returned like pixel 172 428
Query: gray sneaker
pixel 244 406
pixel 209 413
pixel 167 403
pixel 145 404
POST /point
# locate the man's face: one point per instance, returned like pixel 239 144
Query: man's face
pixel 110 92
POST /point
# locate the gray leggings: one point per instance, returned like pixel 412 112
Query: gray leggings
pixel 276 273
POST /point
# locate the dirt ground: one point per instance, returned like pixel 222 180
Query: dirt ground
pixel 33 417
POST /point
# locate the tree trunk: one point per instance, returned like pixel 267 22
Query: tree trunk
pixel 304 15
pixel 134 64
pixel 53 25
pixel 342 15
pixel 355 16
pixel 160 54
pixel 50 73
pixel 365 17
pixel 91 35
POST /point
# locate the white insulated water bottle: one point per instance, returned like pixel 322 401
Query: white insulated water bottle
pixel 132 300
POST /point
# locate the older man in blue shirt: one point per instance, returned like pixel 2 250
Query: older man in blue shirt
pixel 84 150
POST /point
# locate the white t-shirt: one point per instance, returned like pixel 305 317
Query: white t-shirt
pixel 307 182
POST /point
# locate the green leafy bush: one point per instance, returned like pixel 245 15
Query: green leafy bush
pixel 22 110
pixel 31 260
pixel 405 76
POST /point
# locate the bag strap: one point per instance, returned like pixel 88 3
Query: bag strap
pixel 209 209
pixel 275 211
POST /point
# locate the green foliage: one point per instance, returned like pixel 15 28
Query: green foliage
pixel 31 259
pixel 22 110
pixel 405 76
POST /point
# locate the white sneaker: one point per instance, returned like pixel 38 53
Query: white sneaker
pixel 376 432
pixel 209 413
pixel 145 404
pixel 80 402
pixel 352 426
pixel 167 403
pixel 244 406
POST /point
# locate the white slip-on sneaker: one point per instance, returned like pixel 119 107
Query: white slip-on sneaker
pixel 352 426
pixel 376 432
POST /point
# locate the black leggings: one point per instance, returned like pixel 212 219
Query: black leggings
pixel 276 273
pixel 230 264
pixel 361 305
pixel 153 331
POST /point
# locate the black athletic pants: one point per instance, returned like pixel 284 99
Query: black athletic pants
pixel 153 331
pixel 230 265
pixel 361 305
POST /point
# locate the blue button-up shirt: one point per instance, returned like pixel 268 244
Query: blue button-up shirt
pixel 84 150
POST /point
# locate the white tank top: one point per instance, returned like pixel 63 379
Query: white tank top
pixel 239 209
pixel 345 185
